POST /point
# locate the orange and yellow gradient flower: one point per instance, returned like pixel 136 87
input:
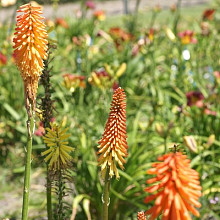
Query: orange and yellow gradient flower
pixel 113 145
pixel 30 47
pixel 176 188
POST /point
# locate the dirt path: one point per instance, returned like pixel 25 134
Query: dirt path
pixel 110 7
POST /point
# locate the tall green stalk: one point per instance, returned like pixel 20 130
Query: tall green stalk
pixel 106 199
pixel 49 198
pixel 26 190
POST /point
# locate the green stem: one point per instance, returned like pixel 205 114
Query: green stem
pixel 30 128
pixel 49 203
pixel 177 17
pixel 106 195
pixel 60 196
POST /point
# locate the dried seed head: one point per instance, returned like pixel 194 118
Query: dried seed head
pixel 176 188
pixel 113 145
pixel 30 46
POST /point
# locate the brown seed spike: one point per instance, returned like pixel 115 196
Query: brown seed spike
pixel 113 145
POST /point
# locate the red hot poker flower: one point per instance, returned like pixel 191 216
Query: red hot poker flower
pixel 177 188
pixel 30 46
pixel 30 41
pixel 113 145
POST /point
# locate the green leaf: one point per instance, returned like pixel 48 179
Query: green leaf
pixel 11 111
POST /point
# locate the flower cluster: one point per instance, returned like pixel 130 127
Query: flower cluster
pixel 72 82
pixel 113 145
pixel 176 188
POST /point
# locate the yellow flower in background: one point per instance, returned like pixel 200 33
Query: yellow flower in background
pixel 170 34
pixel 58 154
pixel 121 70
pixel 190 142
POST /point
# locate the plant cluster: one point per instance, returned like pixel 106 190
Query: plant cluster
pixel 162 79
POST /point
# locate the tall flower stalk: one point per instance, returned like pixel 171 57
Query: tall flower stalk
pixel 113 145
pixel 47 113
pixel 30 46
pixel 58 159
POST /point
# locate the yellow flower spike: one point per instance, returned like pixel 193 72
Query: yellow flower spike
pixel 121 70
pixel 58 153
pixel 109 70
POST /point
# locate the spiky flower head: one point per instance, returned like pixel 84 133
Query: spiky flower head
pixel 113 145
pixel 176 188
pixel 58 154
pixel 30 46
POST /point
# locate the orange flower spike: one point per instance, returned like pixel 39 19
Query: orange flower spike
pixel 113 145
pixel 177 188
pixel 30 47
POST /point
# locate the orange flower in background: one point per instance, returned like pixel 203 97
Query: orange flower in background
pixel 61 22
pixel 141 216
pixel 99 15
pixel 30 46
pixel 113 145
pixel 120 36
pixel 176 188
pixel 208 14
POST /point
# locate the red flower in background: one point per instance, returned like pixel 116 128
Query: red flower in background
pixel 217 74
pixel 90 5
pixel 195 98
pixel 176 188
pixel 207 111
pixel 208 14
pixel 3 59
pixel 40 130
pixel 187 37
